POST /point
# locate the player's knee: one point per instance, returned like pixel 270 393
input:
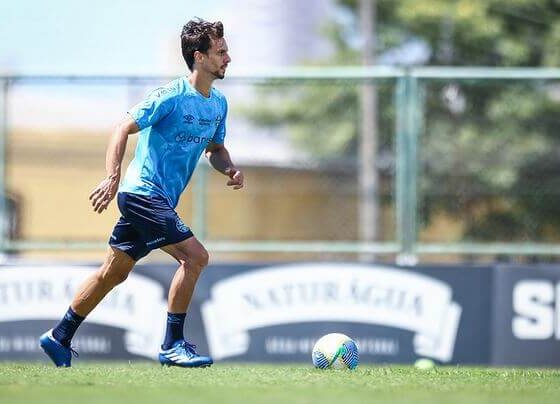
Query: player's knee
pixel 202 258
pixel 112 278
pixel 195 261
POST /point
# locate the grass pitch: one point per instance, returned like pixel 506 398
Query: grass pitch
pixel 225 383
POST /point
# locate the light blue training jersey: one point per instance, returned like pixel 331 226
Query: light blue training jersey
pixel 177 123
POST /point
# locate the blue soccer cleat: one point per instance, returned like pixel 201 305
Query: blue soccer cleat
pixel 183 354
pixel 59 354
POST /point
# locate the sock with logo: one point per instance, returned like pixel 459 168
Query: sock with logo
pixel 174 330
pixel 66 328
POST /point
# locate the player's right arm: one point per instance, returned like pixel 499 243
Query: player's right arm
pixel 149 112
pixel 104 193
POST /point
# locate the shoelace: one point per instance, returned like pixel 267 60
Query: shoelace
pixel 74 353
pixel 188 347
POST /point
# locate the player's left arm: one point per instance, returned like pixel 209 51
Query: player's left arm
pixel 219 158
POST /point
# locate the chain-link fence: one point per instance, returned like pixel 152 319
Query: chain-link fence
pixel 466 163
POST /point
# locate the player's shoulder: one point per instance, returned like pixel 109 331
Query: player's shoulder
pixel 169 90
pixel 219 95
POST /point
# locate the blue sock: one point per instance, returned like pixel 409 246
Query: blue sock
pixel 66 328
pixel 174 330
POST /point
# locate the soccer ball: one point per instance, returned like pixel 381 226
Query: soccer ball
pixel 335 351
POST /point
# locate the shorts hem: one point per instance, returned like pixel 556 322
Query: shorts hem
pixel 128 252
pixel 187 235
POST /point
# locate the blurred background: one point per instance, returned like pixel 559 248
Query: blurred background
pixel 402 165
pixel 402 160
pixel 406 159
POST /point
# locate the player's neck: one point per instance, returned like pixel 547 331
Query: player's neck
pixel 201 83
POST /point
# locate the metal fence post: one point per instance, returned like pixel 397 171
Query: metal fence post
pixel 200 199
pixel 407 130
pixel 4 85
pixel 401 95
pixel 415 119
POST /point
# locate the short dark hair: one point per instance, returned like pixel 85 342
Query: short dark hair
pixel 196 35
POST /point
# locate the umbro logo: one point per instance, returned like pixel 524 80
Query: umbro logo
pixel 188 119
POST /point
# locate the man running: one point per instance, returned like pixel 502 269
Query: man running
pixel 177 123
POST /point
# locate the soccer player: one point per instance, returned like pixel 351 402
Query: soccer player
pixel 177 123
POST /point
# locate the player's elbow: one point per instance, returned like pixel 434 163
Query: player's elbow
pixel 126 127
pixel 213 150
pixel 209 153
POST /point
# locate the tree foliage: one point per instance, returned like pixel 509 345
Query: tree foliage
pixel 489 149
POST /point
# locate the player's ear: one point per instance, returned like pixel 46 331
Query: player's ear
pixel 198 56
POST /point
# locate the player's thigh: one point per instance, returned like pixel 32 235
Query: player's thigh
pixel 153 223
pixel 117 265
pixel 125 238
pixel 189 250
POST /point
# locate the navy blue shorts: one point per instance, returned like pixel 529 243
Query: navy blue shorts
pixel 147 223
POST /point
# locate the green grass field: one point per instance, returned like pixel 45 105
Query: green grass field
pixel 150 383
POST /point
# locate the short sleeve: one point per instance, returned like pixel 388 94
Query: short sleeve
pixel 220 133
pixel 154 108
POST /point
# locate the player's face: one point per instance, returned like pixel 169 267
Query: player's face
pixel 217 58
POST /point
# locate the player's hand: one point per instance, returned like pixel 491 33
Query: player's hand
pixel 235 178
pixel 104 193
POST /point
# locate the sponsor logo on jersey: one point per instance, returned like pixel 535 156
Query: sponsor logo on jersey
pixel 183 137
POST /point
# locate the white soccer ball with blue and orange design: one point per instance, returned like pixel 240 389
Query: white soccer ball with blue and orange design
pixel 336 351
